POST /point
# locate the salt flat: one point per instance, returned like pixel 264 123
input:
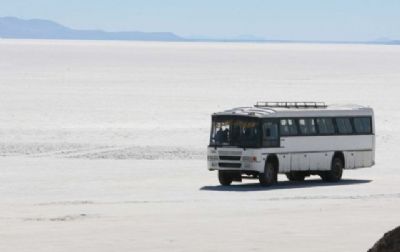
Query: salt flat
pixel 103 147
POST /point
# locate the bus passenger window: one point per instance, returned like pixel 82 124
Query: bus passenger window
pixel 307 126
pixel 325 126
pixel 344 126
pixel 362 125
pixel 288 127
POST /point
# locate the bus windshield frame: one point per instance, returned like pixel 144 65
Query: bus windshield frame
pixel 235 131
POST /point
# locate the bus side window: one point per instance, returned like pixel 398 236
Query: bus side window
pixel 284 127
pixel 362 125
pixel 288 127
pixel 307 126
pixel 344 125
pixel 270 134
pixel 325 126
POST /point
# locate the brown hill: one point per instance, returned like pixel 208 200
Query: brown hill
pixel 390 242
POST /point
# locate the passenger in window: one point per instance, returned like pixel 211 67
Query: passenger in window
pixel 219 136
pixel 225 135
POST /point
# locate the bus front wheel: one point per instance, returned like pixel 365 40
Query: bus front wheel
pixel 224 178
pixel 270 175
pixel 336 171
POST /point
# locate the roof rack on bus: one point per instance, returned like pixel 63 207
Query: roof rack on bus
pixel 286 104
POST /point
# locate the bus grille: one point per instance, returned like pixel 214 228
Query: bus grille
pixel 231 158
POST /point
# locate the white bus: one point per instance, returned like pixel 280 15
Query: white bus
pixel 298 139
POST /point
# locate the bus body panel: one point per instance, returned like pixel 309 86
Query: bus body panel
pixel 285 162
pixel 296 161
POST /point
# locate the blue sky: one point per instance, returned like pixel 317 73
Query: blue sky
pixel 333 20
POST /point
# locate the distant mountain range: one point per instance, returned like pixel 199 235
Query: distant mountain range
pixel 387 41
pixel 16 28
pixel 12 27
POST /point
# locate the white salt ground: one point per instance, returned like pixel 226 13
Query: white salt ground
pixel 103 147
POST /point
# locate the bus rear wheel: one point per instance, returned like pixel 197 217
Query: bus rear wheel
pixel 270 175
pixel 295 176
pixel 336 171
pixel 225 178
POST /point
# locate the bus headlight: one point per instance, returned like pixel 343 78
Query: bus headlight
pixel 249 159
pixel 212 158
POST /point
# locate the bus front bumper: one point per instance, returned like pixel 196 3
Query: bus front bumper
pixel 235 160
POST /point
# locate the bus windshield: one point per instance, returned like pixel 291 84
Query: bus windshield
pixel 231 131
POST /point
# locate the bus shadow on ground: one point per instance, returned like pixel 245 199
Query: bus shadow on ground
pixel 247 187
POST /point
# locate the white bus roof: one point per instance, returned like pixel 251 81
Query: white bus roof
pixel 298 110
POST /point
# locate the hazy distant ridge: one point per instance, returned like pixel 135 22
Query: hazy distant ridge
pixel 16 28
pixel 11 27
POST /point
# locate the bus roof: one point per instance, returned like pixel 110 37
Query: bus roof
pixel 298 111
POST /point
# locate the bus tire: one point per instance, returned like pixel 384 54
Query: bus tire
pixel 336 171
pixel 269 176
pixel 224 178
pixel 295 176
